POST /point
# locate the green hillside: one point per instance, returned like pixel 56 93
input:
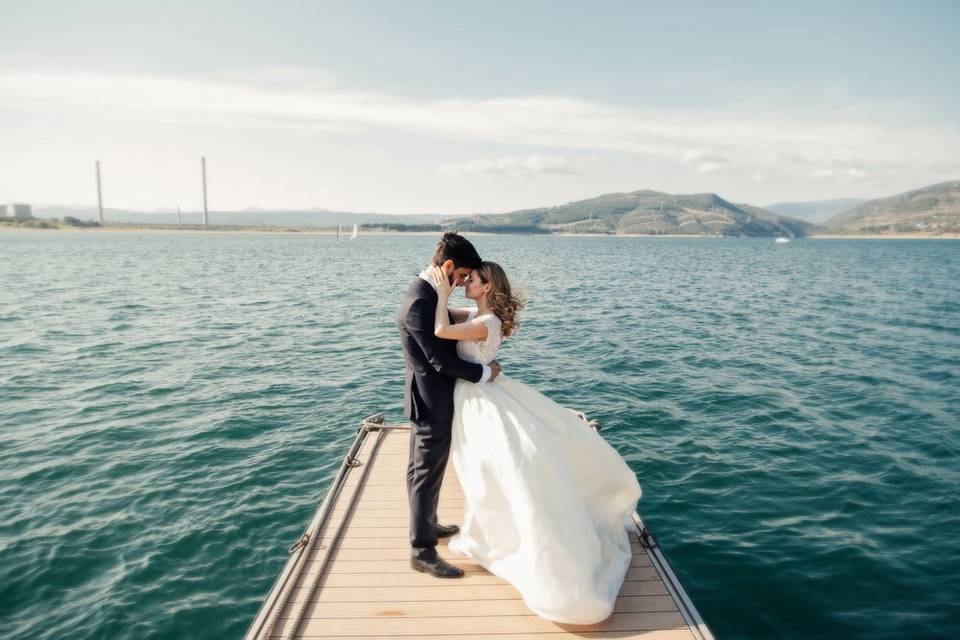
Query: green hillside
pixel 645 212
pixel 933 209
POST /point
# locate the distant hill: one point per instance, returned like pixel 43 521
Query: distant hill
pixel 816 211
pixel 934 209
pixel 648 212
pixel 255 217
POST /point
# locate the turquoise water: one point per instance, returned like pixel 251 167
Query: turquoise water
pixel 174 405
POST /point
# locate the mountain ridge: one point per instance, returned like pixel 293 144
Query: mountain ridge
pixel 644 212
pixel 931 209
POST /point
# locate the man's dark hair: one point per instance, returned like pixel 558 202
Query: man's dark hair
pixel 454 246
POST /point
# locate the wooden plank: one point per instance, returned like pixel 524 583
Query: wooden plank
pixel 639 581
pixel 660 634
pixel 398 483
pixel 400 507
pixel 379 532
pixel 401 533
pixel 396 487
pixel 400 510
pixel 399 464
pixel 400 495
pixel 399 517
pixel 412 578
pixel 378 500
pixel 478 625
pixel 444 608
pixel 403 565
pixel 362 519
pixel 387 566
pixel 395 470
pixel 397 542
pixel 447 496
pixel 371 541
pixel 367 588
pixel 370 502
pixel 458 590
pixel 403 553
pixel 407 579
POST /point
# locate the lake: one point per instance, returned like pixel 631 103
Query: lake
pixel 173 406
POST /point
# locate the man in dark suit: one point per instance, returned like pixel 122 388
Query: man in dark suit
pixel 432 369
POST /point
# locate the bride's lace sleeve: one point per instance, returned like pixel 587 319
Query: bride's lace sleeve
pixel 493 326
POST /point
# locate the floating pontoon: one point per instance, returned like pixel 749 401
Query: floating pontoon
pixel 349 575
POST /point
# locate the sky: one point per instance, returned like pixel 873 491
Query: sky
pixel 460 107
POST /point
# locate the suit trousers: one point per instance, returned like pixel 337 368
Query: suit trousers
pixel 429 452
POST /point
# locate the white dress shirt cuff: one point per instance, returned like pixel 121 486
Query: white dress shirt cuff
pixel 486 374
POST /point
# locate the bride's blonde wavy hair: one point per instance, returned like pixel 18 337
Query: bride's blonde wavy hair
pixel 502 302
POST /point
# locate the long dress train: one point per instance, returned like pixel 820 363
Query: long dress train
pixel 547 500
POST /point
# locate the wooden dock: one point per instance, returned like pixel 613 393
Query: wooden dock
pixel 349 574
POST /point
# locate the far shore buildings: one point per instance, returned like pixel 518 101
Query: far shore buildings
pixel 16 210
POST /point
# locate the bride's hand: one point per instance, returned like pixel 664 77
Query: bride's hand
pixel 444 288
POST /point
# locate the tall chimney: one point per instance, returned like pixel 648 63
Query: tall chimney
pixel 203 165
pixel 99 193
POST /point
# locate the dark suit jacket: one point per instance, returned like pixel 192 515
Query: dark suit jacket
pixel 432 363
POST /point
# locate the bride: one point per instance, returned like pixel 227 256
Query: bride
pixel 547 500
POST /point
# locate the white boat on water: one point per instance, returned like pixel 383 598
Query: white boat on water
pixel 782 240
pixel 354 236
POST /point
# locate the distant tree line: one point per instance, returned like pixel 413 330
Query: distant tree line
pixel 70 221
pixel 397 226
pixel 458 226
pixel 502 228
pixel 32 223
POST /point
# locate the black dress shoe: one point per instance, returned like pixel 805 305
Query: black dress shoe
pixel 446 530
pixel 436 566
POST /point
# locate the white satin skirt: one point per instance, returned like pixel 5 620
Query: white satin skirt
pixel 548 501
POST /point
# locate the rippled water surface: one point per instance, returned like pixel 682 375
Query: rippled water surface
pixel 174 405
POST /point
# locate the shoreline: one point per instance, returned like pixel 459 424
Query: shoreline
pixel 886 236
pixel 332 232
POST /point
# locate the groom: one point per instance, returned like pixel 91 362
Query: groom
pixel 432 369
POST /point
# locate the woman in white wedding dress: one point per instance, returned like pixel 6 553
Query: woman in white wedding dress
pixel 547 500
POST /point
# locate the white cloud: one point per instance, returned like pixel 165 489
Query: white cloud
pixel 709 167
pixel 707 162
pixel 522 167
pixel 791 147
pixel 841 174
pixel 289 77
pixel 545 120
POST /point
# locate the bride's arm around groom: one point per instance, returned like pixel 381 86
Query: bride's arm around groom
pixel 419 320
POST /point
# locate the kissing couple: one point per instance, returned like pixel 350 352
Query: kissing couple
pixel 547 501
